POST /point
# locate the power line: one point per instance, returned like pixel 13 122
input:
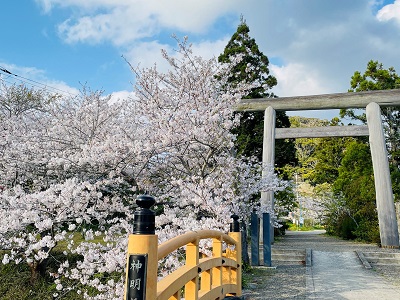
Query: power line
pixel 5 71
pixel 11 83
pixel 31 81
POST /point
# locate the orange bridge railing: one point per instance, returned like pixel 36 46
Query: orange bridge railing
pixel 200 278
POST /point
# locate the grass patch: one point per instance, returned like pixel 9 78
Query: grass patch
pixel 78 238
pixel 294 227
pixel 15 284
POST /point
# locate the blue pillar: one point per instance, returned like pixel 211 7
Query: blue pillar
pixel 267 240
pixel 255 240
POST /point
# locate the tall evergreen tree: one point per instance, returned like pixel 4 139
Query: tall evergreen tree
pixel 376 77
pixel 250 131
pixel 354 186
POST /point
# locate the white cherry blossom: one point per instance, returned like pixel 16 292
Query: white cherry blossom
pixel 74 167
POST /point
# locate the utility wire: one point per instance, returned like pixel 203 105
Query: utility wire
pixel 31 81
pixel 11 83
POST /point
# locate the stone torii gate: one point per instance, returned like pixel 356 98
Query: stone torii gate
pixel 372 101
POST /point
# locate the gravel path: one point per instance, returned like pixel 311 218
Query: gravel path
pixel 290 281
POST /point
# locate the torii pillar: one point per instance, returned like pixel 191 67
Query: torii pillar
pixel 383 186
pixel 268 158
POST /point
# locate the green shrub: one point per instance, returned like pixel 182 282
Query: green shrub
pixel 346 227
pixel 279 231
pixel 368 231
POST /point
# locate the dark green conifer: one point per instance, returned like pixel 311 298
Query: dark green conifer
pixel 250 131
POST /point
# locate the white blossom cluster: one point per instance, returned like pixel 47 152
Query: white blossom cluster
pixel 73 167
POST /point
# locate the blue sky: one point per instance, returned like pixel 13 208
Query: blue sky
pixel 314 46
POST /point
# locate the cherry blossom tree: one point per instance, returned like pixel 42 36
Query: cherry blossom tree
pixel 74 166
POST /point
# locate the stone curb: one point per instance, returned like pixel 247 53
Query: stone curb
pixel 363 260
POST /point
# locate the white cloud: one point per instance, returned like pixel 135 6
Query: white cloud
pixel 125 21
pixel 120 26
pixel 320 43
pixel 389 12
pixel 209 49
pixel 297 80
pixel 332 38
pixel 148 54
pixel 60 87
pixel 121 95
pixel 87 5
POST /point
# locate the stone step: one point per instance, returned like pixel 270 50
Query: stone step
pixel 383 261
pixel 382 258
pixel 280 251
pixel 288 256
pixel 382 254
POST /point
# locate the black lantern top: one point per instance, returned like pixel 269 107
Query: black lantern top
pixel 235 224
pixel 144 217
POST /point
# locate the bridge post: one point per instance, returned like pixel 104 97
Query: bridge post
pixel 142 253
pixel 236 235
pixel 192 259
pixel 383 185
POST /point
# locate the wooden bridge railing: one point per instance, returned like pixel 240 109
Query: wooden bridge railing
pixel 201 278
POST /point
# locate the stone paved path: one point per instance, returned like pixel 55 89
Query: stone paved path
pixel 340 275
pixel 336 273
